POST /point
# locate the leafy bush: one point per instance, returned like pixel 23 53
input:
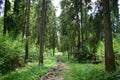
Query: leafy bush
pixel 33 53
pixel 9 54
pixel 32 71
pixel 83 54
pixel 116 47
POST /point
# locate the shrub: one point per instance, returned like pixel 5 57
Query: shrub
pixel 9 55
pixel 83 55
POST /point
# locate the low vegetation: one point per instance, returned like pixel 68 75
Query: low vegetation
pixel 80 71
pixel 32 71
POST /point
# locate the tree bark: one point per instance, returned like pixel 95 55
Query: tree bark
pixel 27 31
pixel 42 31
pixel 78 29
pixel 16 6
pixel 81 24
pixel 86 24
pixel 109 55
pixel 6 8
pixel 24 22
pixel 53 45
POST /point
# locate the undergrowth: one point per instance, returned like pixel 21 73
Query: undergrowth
pixel 90 72
pixel 32 71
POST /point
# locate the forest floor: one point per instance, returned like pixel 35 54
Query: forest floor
pixel 56 73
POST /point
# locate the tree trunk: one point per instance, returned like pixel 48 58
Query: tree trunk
pixel 6 8
pixel 81 25
pixel 53 39
pixel 42 31
pixel 53 42
pixel 27 31
pixel 78 29
pixel 26 50
pixel 109 55
pixel 86 24
pixel 24 22
pixel 82 36
pixel 16 6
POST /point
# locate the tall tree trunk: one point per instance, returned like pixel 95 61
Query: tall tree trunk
pixel 81 12
pixel 86 23
pixel 24 22
pixel 16 6
pixel 27 31
pixel 78 23
pixel 53 42
pixel 82 36
pixel 42 31
pixel 6 8
pixel 78 29
pixel 109 55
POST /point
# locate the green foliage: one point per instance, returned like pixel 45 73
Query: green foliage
pixel 33 53
pixel 85 54
pixel 14 28
pixel 116 47
pixel 9 54
pixel 100 51
pixel 30 72
pixel 116 42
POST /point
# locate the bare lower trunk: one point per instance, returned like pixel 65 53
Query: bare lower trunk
pixel 54 41
pixel 42 31
pixel 27 31
pixel 81 25
pixel 26 51
pixel 78 30
pixel 24 24
pixel 109 55
pixel 5 15
pixel 79 39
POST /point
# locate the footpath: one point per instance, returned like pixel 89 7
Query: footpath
pixel 56 73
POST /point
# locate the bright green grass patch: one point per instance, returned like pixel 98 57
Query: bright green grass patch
pixel 89 72
pixel 31 72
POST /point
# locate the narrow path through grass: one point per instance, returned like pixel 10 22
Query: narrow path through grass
pixel 56 73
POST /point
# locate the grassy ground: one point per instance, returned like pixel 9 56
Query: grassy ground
pixel 82 71
pixel 32 71
pixel 75 71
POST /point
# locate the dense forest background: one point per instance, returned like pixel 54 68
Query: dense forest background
pixel 86 34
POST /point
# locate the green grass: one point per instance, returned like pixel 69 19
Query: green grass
pixel 78 71
pixel 31 72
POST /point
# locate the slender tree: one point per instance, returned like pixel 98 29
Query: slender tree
pixel 109 55
pixel 42 31
pixel 16 6
pixel 27 31
pixel 6 9
pixel 53 41
pixel 78 30
pixel 24 23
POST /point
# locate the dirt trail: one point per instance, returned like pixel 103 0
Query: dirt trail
pixel 57 73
